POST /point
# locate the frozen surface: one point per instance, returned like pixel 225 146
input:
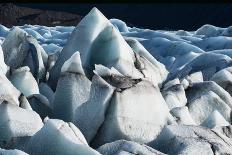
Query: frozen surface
pixel 120 90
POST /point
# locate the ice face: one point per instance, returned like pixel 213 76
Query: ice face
pixel 8 92
pixel 72 90
pixel 24 50
pixel 128 111
pixel 215 119
pixel 14 49
pixel 91 114
pixel 58 137
pixel 174 96
pixel 22 79
pixel 16 122
pixel 41 105
pixel 182 115
pixel 203 106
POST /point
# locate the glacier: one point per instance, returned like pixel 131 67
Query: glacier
pixel 104 88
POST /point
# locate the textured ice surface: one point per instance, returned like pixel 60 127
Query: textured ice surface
pixel 91 114
pixel 191 140
pixel 120 89
pixel 58 137
pixel 127 147
pixel 16 122
pixel 101 43
pixel 72 90
pixel 131 117
pixel 12 152
pixel 22 79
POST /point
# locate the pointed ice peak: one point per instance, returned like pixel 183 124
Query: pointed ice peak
pixel 23 79
pixel 104 71
pixel 94 10
pixel 93 16
pixel 73 64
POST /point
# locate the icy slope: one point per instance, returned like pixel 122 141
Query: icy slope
pixel 105 88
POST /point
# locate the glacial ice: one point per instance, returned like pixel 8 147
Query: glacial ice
pixel 22 79
pixel 16 122
pixel 58 137
pixel 12 152
pixel 191 140
pixel 7 91
pixel 40 104
pixel 130 117
pixel 101 43
pixel 120 25
pixel 128 147
pixel 215 119
pixel 72 90
pixel 121 90
pixel 91 114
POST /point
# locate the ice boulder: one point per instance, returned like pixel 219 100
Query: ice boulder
pixel 14 49
pixel 16 122
pixel 20 49
pixel 72 90
pixel 58 138
pixel 191 140
pixel 137 112
pixel 24 81
pixel 202 107
pixel 121 147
